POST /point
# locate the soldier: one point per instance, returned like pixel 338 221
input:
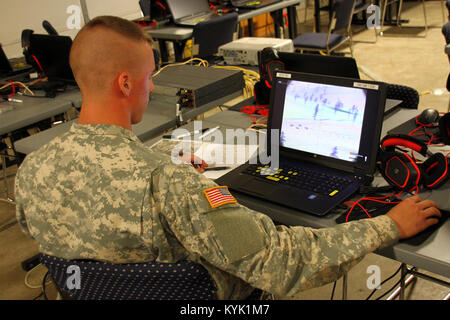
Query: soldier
pixel 97 192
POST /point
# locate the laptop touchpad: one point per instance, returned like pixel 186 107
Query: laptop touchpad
pixel 257 187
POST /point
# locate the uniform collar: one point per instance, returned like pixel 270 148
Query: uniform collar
pixel 103 129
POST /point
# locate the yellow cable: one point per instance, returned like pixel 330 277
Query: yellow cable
pixel 201 62
pixel 19 83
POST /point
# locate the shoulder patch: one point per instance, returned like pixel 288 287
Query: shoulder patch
pixel 219 196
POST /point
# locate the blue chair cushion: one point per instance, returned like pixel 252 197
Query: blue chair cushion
pixel 317 40
pixel 184 280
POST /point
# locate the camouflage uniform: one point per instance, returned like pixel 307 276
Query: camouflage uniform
pixel 97 192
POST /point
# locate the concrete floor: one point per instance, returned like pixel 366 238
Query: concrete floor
pixel 403 56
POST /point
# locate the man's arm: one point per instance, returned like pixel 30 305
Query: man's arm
pixel 247 244
pixel 20 197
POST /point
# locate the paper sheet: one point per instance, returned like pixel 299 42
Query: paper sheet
pixel 218 155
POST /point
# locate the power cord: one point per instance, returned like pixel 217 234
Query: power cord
pixel 383 282
pixel 332 291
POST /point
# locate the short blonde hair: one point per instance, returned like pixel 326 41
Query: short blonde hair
pixel 124 27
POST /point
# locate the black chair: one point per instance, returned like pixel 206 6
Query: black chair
pixel 408 95
pixel 328 42
pixel 184 280
pixel 211 34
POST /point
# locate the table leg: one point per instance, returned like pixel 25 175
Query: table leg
pixel 292 21
pixel 277 17
pixel 250 27
pixel 163 51
pixel 178 47
pixel 316 15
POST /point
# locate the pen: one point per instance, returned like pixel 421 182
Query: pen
pixel 216 168
pixel 209 132
pixel 169 136
pixel 14 100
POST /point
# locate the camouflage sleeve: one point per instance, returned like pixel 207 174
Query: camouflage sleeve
pixel 247 244
pixel 20 214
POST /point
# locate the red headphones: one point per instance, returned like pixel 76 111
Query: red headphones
pixel 402 171
pixel 268 62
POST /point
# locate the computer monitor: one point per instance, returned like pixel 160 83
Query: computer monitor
pixel 52 52
pixel 319 64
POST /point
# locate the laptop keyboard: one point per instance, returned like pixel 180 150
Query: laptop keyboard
pixel 301 178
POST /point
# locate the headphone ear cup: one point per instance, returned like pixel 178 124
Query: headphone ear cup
pixel 444 128
pixel 400 171
pixel 435 171
pixel 262 93
pixel 26 46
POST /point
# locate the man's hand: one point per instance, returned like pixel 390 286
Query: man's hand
pixel 196 162
pixel 414 215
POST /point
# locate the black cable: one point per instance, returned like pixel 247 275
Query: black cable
pixel 332 292
pixel 40 295
pixel 44 280
pixel 384 281
pixel 396 284
pixel 7 225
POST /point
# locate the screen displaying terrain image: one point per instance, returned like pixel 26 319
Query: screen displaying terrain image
pixel 323 119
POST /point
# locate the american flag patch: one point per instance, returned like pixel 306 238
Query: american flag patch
pixel 218 196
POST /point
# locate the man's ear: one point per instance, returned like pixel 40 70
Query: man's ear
pixel 124 83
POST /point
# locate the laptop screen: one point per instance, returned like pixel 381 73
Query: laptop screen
pixel 331 120
pixel 181 9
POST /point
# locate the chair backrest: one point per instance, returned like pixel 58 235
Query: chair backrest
pixel 211 34
pixel 343 13
pixel 184 280
pixel 446 32
pixel 408 95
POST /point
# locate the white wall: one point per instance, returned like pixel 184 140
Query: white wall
pixel 16 15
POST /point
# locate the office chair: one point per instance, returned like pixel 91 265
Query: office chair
pixel 384 4
pixel 209 35
pixel 408 95
pixel 328 42
pixel 49 28
pixel 183 280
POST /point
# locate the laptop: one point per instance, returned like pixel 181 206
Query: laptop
pixel 190 12
pixel 52 52
pixel 252 4
pixel 328 135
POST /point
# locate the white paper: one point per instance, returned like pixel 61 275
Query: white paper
pixel 218 155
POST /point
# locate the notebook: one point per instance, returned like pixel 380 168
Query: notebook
pixel 328 130
pixel 189 13
pixel 252 4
